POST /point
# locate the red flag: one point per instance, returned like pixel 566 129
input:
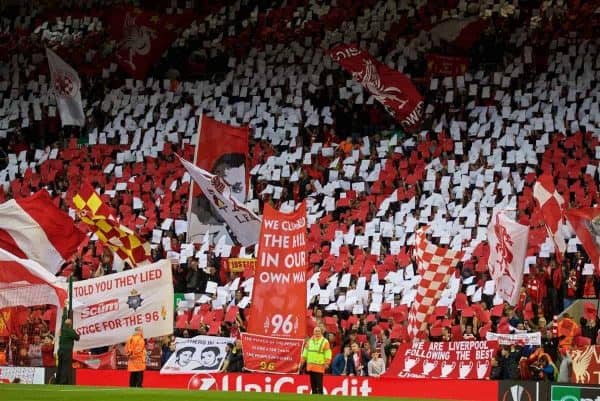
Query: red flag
pixel 143 36
pixel 551 204
pixel 221 150
pixel 33 228
pixel 394 90
pixel 435 265
pixel 446 65
pixel 462 33
pixel 107 360
pixel 278 309
pixel 586 223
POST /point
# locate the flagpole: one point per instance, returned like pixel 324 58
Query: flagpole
pixel 70 311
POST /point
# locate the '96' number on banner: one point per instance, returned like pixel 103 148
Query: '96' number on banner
pixel 282 325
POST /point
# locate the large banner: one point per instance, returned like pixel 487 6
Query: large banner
pixel 143 36
pixel 394 90
pixel 107 309
pixel 521 339
pixel 278 308
pixel 198 354
pixel 585 365
pixel 444 360
pixel 221 150
pixel 508 248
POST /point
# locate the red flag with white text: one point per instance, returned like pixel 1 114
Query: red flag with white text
pixel 278 308
pixel 394 90
pixel 142 36
pixel 586 223
pixel 444 360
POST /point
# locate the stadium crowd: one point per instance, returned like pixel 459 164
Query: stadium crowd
pixel 526 105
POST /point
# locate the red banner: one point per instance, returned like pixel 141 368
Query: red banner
pixel 143 36
pixel 278 308
pixel 446 65
pixel 444 360
pixel 107 360
pixel 394 90
pixel 221 150
pixel 585 365
pixel 484 390
pixel 586 223
pixel 282 355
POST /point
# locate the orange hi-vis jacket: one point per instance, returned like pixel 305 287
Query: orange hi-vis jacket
pixel 136 351
pixel 316 354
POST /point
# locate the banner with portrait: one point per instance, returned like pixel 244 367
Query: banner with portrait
pixel 200 354
pixel 221 150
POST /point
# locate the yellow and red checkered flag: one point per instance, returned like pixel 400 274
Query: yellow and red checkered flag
pixel 100 218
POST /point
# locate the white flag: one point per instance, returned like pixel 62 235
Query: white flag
pixel 508 248
pixel 67 88
pixel 242 222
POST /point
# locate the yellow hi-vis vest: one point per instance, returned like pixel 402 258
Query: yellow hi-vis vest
pixel 316 353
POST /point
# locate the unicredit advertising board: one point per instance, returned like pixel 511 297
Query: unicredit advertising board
pixel 485 390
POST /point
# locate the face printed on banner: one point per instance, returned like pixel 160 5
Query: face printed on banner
pixel 184 356
pixel 230 169
pixel 210 359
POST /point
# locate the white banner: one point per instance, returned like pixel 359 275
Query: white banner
pixel 107 309
pixel 23 375
pixel 517 338
pixel 508 248
pixel 243 223
pixel 198 354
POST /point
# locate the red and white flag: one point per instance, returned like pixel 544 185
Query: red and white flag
pixel 551 204
pixel 586 223
pixel 25 282
pixel 221 149
pixel 508 248
pixel 394 90
pixel 33 228
pixel 436 266
pixel 462 33
pixel 243 224
pixel 67 88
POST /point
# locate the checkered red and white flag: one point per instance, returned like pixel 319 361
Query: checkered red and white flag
pixel 436 266
pixel 67 88
pixel 551 204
